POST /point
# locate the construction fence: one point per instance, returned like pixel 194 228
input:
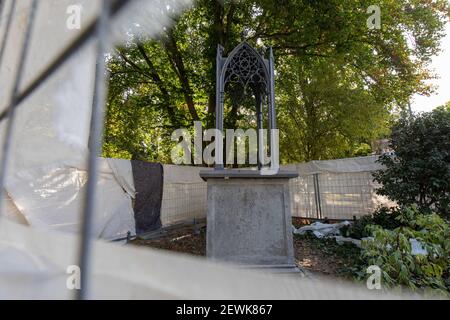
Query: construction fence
pixel 334 189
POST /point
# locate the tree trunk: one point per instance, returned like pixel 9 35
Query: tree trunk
pixel 178 65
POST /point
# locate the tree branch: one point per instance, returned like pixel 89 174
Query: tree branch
pixel 174 55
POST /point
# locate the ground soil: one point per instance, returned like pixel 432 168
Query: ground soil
pixel 311 254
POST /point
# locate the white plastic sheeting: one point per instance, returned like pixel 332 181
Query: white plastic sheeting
pixel 12 212
pixel 47 161
pixel 47 174
pixel 53 124
pixel 327 230
pixel 347 165
pixel 51 197
pixel 34 264
pixel 321 230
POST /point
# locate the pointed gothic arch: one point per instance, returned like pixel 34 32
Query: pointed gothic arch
pixel 247 67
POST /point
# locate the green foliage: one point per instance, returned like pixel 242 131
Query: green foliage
pixel 419 172
pixel 388 246
pixel 445 106
pixel 391 251
pixel 362 150
pixel 383 217
pixel 327 117
pixel 357 230
pixel 345 257
pixel 337 82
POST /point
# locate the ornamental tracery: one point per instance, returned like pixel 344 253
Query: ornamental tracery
pixel 247 69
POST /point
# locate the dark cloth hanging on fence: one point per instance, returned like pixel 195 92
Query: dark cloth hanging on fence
pixel 148 183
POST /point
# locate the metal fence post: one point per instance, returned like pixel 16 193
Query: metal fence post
pixel 95 144
pixel 11 108
pixel 7 26
pixel 317 195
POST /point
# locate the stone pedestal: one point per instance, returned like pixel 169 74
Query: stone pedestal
pixel 249 219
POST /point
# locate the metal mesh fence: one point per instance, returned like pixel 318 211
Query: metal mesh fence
pixel 335 195
pixel 316 196
pixel 182 202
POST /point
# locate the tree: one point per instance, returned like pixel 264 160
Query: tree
pixel 328 117
pixel 169 82
pixel 419 172
pixel 446 106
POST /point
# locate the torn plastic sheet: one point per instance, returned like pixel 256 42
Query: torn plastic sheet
pixel 417 247
pixel 326 230
pixel 341 240
pixel 321 230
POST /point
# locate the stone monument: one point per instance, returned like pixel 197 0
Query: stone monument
pixel 249 210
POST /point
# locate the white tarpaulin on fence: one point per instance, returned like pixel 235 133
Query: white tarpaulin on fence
pixel 51 198
pixel 47 173
pixel 348 165
pixel 46 180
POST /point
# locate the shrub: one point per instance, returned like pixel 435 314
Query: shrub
pixel 357 229
pixel 383 217
pixel 391 251
pixel 419 172
pixel 387 217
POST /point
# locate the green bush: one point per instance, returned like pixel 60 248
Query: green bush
pixel 383 217
pixel 391 251
pixel 419 172
pixel 387 217
pixel 357 229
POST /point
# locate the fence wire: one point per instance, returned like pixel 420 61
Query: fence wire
pixel 336 196
pixel 340 196
pixel 98 29
pixel 183 202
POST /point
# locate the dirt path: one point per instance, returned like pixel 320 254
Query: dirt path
pixel 317 256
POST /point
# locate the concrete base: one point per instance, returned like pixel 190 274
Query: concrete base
pixel 249 219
